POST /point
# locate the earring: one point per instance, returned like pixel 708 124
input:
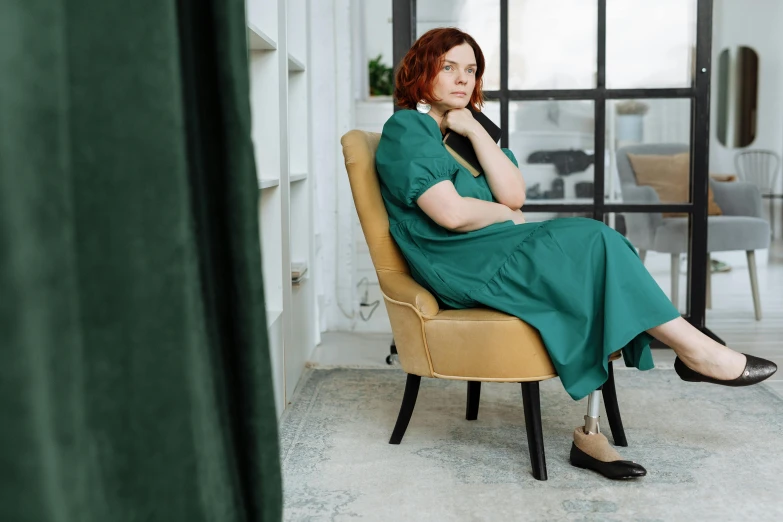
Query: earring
pixel 423 107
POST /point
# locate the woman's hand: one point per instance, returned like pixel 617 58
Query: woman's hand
pixel 460 121
pixel 517 217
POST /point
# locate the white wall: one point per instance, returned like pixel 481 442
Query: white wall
pixel 337 71
pixel 331 71
pixel 345 34
pixel 323 115
pixel 756 24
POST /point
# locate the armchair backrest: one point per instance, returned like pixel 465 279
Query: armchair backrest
pixel 624 168
pixel 642 226
pixel 405 299
pixel 359 150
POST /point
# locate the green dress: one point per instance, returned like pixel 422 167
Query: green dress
pixel 577 281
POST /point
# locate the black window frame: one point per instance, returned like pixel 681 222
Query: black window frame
pixel 404 34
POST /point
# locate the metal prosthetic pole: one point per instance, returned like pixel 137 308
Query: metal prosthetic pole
pixel 593 410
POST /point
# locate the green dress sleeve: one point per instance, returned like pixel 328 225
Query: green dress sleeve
pixel 411 157
pixel 510 155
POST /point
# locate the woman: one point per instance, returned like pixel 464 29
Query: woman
pixel 577 281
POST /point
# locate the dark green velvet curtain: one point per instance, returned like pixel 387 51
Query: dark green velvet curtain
pixel 135 382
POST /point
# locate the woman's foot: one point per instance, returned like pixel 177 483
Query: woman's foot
pixel 700 353
pixel 755 371
pixel 718 362
pixel 592 451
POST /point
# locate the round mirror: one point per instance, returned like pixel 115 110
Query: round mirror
pixel 738 70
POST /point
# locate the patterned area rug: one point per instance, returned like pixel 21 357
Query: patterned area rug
pixel 711 453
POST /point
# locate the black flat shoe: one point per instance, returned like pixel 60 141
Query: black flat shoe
pixel 617 470
pixel 756 370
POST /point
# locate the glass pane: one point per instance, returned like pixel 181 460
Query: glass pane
pixel 552 44
pixel 554 143
pixel 491 110
pixel 656 127
pixel 479 18
pixel 650 44
pixel 663 267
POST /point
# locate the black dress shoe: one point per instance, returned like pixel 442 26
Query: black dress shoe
pixel 616 470
pixel 756 370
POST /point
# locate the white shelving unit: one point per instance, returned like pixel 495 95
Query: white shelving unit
pixel 280 98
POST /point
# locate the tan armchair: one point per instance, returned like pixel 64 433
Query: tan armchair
pixel 472 345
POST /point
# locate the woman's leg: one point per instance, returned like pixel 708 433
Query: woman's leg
pixel 698 351
pixel 592 450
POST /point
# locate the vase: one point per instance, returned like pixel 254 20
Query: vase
pixel 629 128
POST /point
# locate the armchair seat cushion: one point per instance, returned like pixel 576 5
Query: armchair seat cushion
pixel 724 233
pixel 482 344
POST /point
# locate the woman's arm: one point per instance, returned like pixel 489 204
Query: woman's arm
pixel 443 204
pixel 504 178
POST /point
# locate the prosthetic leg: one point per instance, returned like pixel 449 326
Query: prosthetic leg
pixel 591 449
pixel 593 413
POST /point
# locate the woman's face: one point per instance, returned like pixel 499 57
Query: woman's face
pixel 456 80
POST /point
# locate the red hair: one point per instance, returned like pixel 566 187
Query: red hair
pixel 417 71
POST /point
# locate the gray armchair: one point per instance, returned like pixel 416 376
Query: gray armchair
pixel 741 227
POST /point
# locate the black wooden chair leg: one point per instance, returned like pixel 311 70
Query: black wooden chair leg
pixel 474 393
pixel 406 409
pixel 535 438
pixel 609 393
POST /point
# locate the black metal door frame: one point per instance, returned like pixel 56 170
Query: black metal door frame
pixel 404 34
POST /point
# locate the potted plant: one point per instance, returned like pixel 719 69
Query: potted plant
pixel 381 78
pixel 629 120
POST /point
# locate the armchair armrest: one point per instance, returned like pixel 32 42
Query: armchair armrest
pixel 639 194
pixel 641 226
pixel 402 287
pixel 737 198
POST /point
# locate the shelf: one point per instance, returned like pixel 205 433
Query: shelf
pixel 258 40
pixel 268 183
pixel 278 49
pixel 294 65
pixel 272 316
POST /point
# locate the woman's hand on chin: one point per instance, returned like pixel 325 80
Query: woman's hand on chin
pixel 460 121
